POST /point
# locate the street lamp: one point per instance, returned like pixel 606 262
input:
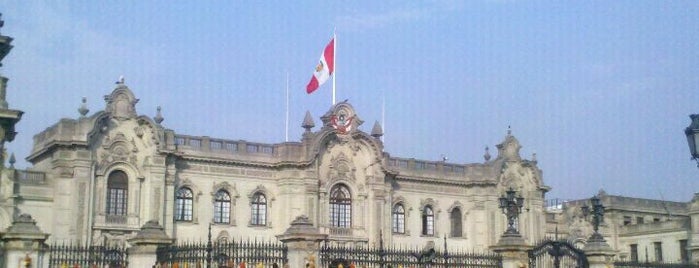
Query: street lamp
pixel 511 206
pixel 597 214
pixel 692 132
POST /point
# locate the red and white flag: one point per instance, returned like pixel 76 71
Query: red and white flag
pixel 325 68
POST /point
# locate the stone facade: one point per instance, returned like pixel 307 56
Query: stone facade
pixel 98 178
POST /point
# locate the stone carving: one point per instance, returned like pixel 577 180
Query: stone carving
pixel 118 149
pixel 230 188
pixel 340 168
pixel 121 104
pixel 139 131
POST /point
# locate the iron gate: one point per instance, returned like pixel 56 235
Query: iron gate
pixel 556 253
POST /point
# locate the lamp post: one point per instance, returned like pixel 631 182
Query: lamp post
pixel 511 206
pixel 692 132
pixel 597 214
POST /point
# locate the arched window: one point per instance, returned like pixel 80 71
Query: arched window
pixel 340 207
pixel 398 219
pixel 455 218
pixel 427 221
pixel 222 207
pixel 117 193
pixel 259 209
pixel 183 204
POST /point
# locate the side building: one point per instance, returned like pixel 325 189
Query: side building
pixel 98 178
pixel 638 229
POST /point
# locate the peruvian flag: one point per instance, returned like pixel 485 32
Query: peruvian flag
pixel 324 69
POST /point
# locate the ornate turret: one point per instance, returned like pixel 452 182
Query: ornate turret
pixel 308 122
pixel 377 131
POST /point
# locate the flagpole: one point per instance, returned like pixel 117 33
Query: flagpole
pixel 286 125
pixel 334 63
pixel 383 116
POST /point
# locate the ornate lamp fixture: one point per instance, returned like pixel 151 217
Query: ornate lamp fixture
pixel 597 214
pixel 511 206
pixel 692 132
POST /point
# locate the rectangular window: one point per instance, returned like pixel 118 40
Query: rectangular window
pixel 222 212
pixel 633 248
pixel 656 219
pixel 340 215
pixel 627 220
pixel 684 256
pixel 399 223
pixel 183 209
pixel 116 204
pixel 658 246
pixel 639 220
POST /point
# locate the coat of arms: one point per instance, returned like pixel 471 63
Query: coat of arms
pixel 341 123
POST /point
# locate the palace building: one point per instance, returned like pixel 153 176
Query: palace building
pixel 98 178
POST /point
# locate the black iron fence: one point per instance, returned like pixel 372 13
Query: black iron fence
pixel 87 256
pixel 627 264
pixel 224 254
pixel 333 255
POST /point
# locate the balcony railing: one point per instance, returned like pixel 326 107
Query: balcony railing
pixel 30 177
pixel 222 146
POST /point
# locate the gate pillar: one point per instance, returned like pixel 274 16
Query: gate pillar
pixel 513 250
pixel 145 244
pixel 302 241
pixel 24 243
pixel 599 253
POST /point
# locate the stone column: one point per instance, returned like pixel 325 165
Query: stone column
pixel 513 250
pixel 303 241
pixel 599 253
pixel 142 253
pixel 24 244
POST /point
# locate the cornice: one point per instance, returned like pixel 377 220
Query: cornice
pixel 445 182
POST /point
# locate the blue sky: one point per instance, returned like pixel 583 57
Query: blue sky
pixel 599 90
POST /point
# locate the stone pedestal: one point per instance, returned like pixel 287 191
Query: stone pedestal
pixel 513 250
pixel 142 253
pixel 599 254
pixel 24 244
pixel 303 241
